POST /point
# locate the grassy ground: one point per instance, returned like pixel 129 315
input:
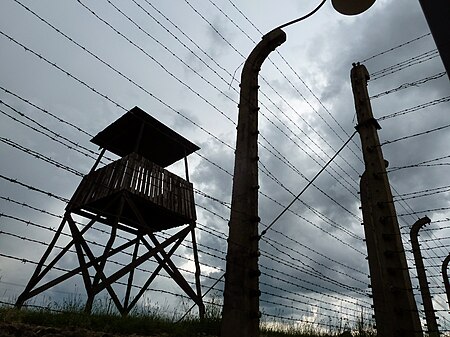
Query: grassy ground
pixel 136 324
pixel 149 325
pixel 154 321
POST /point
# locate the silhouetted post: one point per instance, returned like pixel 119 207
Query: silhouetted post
pixel 240 317
pixel 395 309
pixel 445 277
pixel 424 289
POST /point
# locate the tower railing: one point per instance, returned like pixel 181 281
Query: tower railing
pixel 143 179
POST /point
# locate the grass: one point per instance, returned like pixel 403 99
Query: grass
pixel 110 323
pixel 156 320
pixel 150 319
pixel 142 324
pixel 282 329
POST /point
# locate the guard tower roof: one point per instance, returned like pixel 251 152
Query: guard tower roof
pixel 156 141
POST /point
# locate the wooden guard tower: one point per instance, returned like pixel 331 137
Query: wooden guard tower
pixel 133 194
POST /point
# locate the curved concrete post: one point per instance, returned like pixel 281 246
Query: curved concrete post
pixel 240 316
pixel 430 315
pixel 445 277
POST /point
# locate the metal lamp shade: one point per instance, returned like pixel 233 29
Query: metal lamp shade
pixel 352 7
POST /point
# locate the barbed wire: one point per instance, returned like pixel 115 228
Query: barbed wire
pixel 396 47
pixel 304 189
pixel 214 213
pixel 300 297
pixel 415 135
pixel 199 192
pixel 49 194
pixel 109 99
pixel 298 284
pixel 81 46
pixel 425 163
pixel 62 269
pixel 121 264
pixel 291 257
pixel 24 260
pixel 425 192
pixel 166 237
pixel 293 86
pixel 34 224
pixel 416 108
pixel 269 174
pixel 319 228
pixel 298 92
pixel 308 270
pixel 229 44
pixel 410 84
pixel 46 112
pixel 53 136
pixel 94 54
pixel 159 63
pixel 427 56
pixel 323 160
pixel 425 211
pixel 40 156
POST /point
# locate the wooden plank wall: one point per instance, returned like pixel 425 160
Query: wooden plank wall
pixel 141 177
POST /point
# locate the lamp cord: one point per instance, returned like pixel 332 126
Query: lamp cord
pixel 303 17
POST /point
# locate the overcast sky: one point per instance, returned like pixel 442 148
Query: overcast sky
pixel 180 61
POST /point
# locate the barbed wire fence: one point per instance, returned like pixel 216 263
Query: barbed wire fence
pixel 302 283
pixel 425 198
